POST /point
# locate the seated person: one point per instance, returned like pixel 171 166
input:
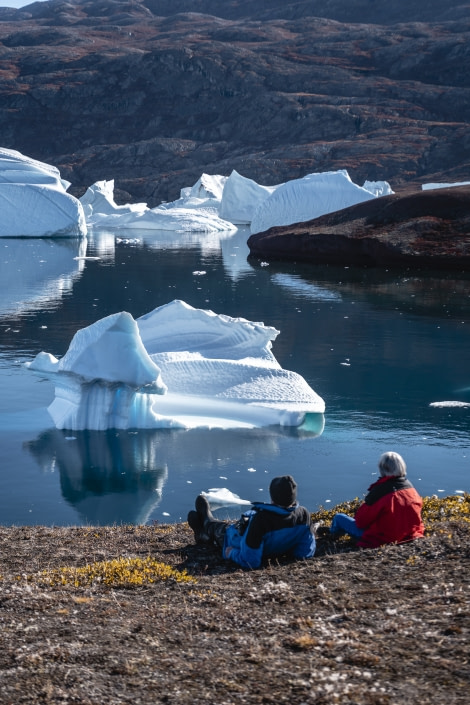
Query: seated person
pixel 266 530
pixel 391 511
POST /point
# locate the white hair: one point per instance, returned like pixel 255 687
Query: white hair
pixel 391 464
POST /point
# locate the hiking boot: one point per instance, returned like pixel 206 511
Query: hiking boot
pixel 195 523
pixel 204 511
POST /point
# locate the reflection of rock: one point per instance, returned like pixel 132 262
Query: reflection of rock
pixel 108 477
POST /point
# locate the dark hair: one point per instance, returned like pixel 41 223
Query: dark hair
pixel 283 490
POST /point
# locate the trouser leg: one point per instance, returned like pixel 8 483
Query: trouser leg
pixel 216 531
pixel 344 523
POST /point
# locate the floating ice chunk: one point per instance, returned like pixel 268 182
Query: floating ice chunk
pixel 34 202
pixel 443 404
pixel 222 497
pixel 241 197
pixel 175 367
pixel 188 214
pixel 304 199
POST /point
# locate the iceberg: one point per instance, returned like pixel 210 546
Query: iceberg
pixel 175 367
pixel 431 186
pixel 241 197
pixel 308 198
pixel 197 210
pixel 34 202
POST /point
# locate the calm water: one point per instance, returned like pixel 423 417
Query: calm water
pixel 379 346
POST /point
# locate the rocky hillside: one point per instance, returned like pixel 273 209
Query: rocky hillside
pixel 155 92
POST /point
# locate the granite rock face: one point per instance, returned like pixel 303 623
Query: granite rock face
pixel 153 93
pixel 421 229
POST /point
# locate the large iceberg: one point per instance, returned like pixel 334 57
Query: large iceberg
pixel 34 201
pixel 315 195
pixel 174 367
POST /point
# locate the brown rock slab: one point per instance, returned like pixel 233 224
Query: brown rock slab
pixel 420 229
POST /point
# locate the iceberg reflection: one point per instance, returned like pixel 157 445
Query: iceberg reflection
pixel 114 477
pixel 108 477
pixel 38 272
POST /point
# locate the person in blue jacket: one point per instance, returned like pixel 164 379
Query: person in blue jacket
pixel 266 530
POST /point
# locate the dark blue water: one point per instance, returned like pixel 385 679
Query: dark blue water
pixel 378 345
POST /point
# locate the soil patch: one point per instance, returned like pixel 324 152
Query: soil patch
pixel 389 625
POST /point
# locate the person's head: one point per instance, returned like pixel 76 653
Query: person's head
pixel 283 491
pixel 392 465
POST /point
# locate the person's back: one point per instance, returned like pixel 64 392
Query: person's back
pixel 391 513
pixel 272 530
pixel 266 530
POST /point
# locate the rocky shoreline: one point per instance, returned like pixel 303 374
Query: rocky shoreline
pixel 422 229
pixel 382 626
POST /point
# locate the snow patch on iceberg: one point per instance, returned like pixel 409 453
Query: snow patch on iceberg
pixel 174 367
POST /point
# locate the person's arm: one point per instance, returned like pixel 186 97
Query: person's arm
pixel 367 514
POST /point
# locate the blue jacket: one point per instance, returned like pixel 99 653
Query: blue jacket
pixel 270 531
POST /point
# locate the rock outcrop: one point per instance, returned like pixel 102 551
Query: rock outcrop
pixel 153 93
pixel 421 229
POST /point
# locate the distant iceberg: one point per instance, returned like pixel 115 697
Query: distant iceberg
pixel 315 195
pixel 431 186
pixel 197 210
pixel 241 197
pixel 174 367
pixel 34 202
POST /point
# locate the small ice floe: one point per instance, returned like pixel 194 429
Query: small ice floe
pixel 222 497
pixel 199 273
pixel 449 404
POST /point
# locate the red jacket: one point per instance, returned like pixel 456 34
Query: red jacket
pixel 391 513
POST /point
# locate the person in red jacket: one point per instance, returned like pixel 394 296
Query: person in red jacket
pixel 391 511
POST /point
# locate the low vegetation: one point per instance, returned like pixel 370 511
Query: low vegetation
pixel 140 614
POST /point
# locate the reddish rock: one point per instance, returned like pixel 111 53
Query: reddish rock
pixel 421 229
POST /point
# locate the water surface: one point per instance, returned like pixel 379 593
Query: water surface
pixel 378 345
